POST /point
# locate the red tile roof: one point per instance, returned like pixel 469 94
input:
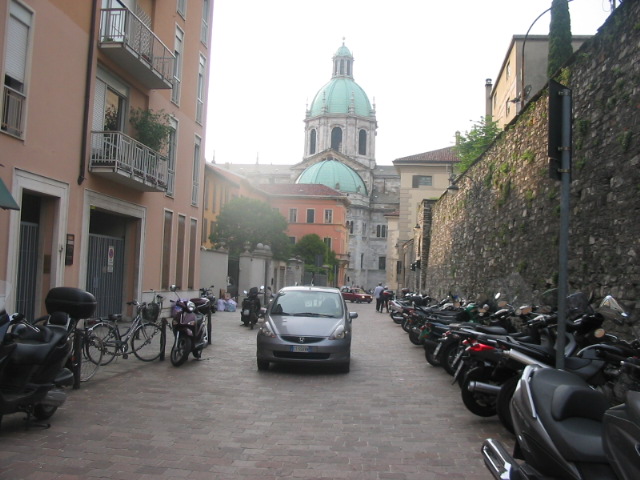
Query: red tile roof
pixel 299 189
pixel 444 155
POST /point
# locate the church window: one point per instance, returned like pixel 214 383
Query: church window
pixel 312 142
pixel 382 263
pixel 350 225
pixel 381 231
pixel 362 142
pixel 311 214
pixel 336 138
pixel 328 216
pixel 422 181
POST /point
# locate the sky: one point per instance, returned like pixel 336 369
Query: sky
pixel 422 63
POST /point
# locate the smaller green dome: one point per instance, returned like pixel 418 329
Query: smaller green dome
pixel 334 174
pixel 343 52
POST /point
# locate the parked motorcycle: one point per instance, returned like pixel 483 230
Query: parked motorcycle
pixel 33 358
pixel 206 304
pixel 250 307
pixel 566 430
pixel 189 330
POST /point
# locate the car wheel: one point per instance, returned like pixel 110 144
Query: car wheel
pixel 345 368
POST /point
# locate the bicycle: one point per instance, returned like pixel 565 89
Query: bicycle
pixel 91 351
pixel 142 337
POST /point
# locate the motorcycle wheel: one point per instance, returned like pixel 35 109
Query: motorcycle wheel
pixel 397 319
pixel 504 401
pixel 406 326
pixel 478 403
pixel 448 354
pixel 432 359
pixel 44 412
pixel 180 350
pixel 414 337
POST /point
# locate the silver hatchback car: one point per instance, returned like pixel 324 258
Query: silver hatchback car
pixel 306 325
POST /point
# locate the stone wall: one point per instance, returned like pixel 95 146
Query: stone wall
pixel 499 231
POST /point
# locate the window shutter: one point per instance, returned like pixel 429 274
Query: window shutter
pixel 17 44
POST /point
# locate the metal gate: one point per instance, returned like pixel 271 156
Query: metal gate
pixel 27 270
pixel 105 273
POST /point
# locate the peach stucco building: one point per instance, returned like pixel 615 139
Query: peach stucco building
pixel 99 209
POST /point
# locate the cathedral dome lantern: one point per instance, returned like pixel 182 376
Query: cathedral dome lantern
pixel 341 117
pixel 341 95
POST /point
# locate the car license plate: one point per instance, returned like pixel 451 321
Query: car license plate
pixel 300 348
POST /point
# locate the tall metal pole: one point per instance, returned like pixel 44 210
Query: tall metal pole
pixel 563 247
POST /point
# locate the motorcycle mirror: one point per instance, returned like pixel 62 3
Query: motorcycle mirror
pixel 173 288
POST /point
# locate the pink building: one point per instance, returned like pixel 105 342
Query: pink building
pixel 107 204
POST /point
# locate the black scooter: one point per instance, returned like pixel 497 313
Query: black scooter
pixel 566 430
pixel 189 328
pixel 33 358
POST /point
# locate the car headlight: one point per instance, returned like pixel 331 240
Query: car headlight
pixel 265 330
pixel 339 333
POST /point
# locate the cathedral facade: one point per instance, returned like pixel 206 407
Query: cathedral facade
pixel 339 152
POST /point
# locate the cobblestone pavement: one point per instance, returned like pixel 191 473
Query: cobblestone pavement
pixel 393 417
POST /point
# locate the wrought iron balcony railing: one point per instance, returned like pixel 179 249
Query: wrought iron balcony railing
pixel 128 41
pixel 124 160
pixel 12 111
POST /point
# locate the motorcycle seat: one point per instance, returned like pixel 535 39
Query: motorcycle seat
pixel 571 413
pixel 34 350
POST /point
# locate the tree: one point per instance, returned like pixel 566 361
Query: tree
pixel 250 220
pixel 560 48
pixel 475 142
pixel 311 248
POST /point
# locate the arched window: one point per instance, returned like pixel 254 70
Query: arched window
pixel 362 142
pixel 336 138
pixel 312 142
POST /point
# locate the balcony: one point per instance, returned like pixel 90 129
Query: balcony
pixel 122 159
pixel 126 40
pixel 12 110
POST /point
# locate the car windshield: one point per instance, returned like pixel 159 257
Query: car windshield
pixel 307 304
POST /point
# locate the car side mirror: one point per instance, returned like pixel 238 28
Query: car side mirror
pixel 353 315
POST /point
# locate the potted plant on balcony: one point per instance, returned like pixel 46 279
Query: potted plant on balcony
pixel 152 128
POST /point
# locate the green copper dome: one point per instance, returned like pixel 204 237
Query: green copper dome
pixel 334 174
pixel 342 95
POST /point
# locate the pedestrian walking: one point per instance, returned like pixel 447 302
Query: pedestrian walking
pixel 377 294
pixel 386 295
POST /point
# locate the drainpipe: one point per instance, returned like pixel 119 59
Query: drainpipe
pixel 87 93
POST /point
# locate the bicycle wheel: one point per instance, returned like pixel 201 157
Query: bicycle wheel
pixel 106 333
pixel 92 354
pixel 146 341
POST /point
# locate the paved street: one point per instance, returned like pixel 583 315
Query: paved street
pixel 393 417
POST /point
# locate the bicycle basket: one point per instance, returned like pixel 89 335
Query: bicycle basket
pixel 151 311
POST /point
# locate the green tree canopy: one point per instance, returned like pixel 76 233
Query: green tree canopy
pixel 560 48
pixel 309 247
pixel 249 220
pixel 475 142
pixel 312 247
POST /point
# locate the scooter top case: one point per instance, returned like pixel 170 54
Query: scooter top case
pixel 75 302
